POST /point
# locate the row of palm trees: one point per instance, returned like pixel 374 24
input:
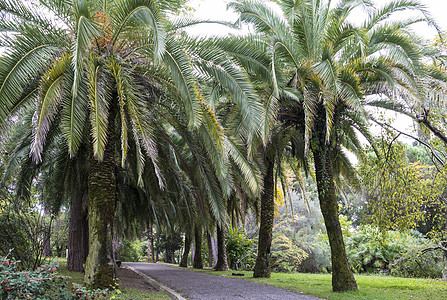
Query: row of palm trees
pixel 119 112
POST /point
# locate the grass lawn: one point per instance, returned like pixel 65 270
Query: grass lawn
pixel 123 294
pixel 370 287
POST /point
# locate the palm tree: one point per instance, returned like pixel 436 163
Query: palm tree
pixel 320 70
pixel 96 62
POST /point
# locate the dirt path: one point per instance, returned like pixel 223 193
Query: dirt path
pixel 130 280
pixel 195 285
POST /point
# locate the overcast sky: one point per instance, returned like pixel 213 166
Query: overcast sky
pixel 216 10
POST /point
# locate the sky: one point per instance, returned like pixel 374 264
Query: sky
pixel 216 10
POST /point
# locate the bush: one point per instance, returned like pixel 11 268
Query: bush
pixel 131 250
pixel 239 249
pixel 15 234
pixel 286 255
pixel 415 263
pixel 373 250
pixel 42 283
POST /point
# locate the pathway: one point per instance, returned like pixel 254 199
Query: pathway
pixel 196 285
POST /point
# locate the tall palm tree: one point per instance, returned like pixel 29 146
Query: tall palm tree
pixel 96 61
pixel 321 69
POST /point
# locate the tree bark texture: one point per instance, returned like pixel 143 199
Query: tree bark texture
pixel 214 249
pixel 262 266
pixel 150 246
pixel 222 262
pixel 78 233
pixel 198 262
pixel 342 276
pixel 210 249
pixel 184 261
pixel 101 211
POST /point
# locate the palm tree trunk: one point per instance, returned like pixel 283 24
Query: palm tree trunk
pixel 150 245
pixel 78 234
pixel 184 261
pixel 222 262
pixel 198 263
pixel 214 249
pixel 101 210
pixel 210 249
pixel 262 266
pixel 342 277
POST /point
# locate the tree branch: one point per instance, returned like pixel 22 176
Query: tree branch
pixel 413 137
pixel 423 119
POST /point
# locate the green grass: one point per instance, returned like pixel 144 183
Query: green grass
pixel 370 287
pixel 123 294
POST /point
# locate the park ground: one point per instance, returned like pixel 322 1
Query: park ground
pixel 132 286
pixel 370 286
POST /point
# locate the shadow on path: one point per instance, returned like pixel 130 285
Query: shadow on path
pixel 195 285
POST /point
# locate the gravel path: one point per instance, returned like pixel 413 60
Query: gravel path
pixel 195 285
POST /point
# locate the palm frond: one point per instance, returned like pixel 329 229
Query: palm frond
pixel 52 87
pixel 100 100
pixel 128 14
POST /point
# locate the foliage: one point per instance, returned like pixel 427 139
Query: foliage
pixel 42 283
pixel 169 243
pixel 418 153
pixel 131 250
pixel 371 249
pixel 22 228
pixel 417 263
pixel 286 255
pixel 395 189
pixel 239 249
pixel 305 230
pixel 59 233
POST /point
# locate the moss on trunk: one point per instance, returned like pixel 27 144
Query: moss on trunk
pixel 342 276
pixel 262 267
pixel 101 212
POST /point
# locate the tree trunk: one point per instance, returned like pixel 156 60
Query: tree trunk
pixel 342 277
pixel 222 263
pixel 59 251
pixel 184 261
pixel 46 247
pixel 172 256
pixel 101 210
pixel 210 249
pixel 214 249
pixel 78 233
pixel 198 263
pixel 150 246
pixel 262 266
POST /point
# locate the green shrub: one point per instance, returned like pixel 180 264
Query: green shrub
pixel 415 263
pixel 372 250
pixel 131 250
pixel 239 250
pixel 13 235
pixel 286 255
